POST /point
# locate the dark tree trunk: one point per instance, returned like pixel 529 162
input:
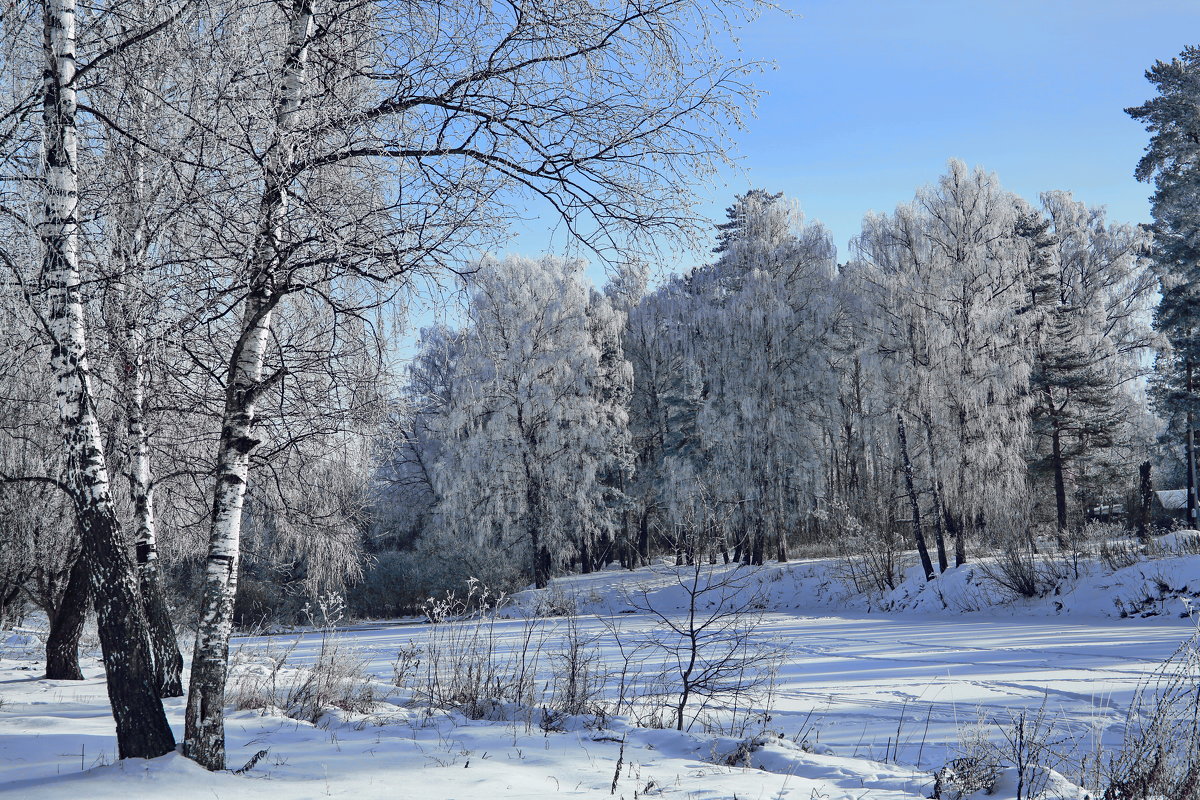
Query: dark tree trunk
pixel 544 567
pixel 758 549
pixel 585 556
pixel 1146 499
pixel 914 505
pixel 643 545
pixel 955 529
pixel 939 535
pixel 142 729
pixel 1190 453
pixel 1060 485
pixel 66 626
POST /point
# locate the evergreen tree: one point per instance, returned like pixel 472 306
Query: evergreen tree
pixel 1091 288
pixel 1172 162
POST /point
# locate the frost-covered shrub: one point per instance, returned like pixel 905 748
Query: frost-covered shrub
pixel 1119 554
pixel 579 674
pixel 268 680
pixel 1021 572
pixel 399 583
pixel 873 562
pixel 964 776
pixel 464 667
pixel 555 602
pixel 1160 753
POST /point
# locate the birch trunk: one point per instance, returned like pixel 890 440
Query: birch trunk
pixel 130 254
pixel 205 721
pixel 142 729
pixel 164 647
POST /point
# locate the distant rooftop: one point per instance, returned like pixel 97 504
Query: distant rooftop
pixel 1173 499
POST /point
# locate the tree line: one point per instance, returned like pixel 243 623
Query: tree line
pixel 973 370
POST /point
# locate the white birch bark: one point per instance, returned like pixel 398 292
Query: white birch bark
pixel 205 730
pixel 131 250
pixel 142 729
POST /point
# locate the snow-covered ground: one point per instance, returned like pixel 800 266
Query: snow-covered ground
pixel 879 700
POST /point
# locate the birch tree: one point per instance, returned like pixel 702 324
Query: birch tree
pixel 57 295
pixel 534 426
pixel 454 118
pixel 949 275
pixel 764 323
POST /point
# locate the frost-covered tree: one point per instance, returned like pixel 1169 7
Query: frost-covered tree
pixel 377 140
pixel 762 325
pixel 536 422
pixel 52 52
pixel 1093 290
pixel 732 374
pixel 946 277
pixel 664 408
pixel 1172 162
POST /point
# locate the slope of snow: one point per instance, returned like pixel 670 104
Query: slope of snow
pixel 866 705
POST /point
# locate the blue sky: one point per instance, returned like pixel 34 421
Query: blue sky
pixel 869 98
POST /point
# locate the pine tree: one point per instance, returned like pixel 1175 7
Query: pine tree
pixel 1090 290
pixel 1172 161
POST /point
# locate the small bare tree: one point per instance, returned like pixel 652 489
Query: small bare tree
pixel 712 657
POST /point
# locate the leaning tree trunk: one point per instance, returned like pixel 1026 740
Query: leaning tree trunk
pixel 164 647
pixel 66 625
pixel 205 722
pixel 914 505
pixel 142 729
pixel 205 718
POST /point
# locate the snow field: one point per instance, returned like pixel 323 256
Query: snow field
pixel 862 706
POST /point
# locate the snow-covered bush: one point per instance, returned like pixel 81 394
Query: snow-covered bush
pixel 1160 753
pixel 1118 554
pixel 266 680
pixel 874 563
pixel 1015 757
pixel 579 682
pixel 1021 572
pixel 464 668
